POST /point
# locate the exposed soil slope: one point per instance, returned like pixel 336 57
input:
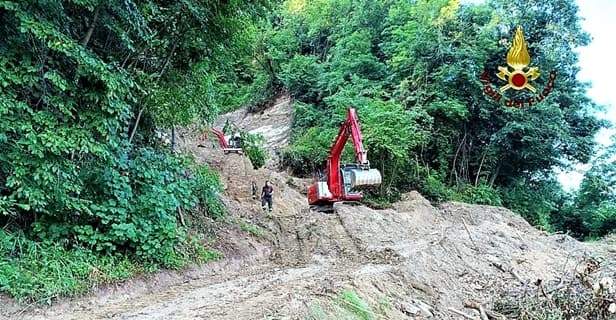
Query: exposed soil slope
pixel 412 261
pixel 273 123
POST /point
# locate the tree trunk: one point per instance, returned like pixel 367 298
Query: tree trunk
pixel 167 60
pixel 454 171
pixel 393 174
pixel 160 74
pixel 480 165
pixel 494 175
pixel 173 139
pixel 86 39
pixel 383 172
pixel 132 134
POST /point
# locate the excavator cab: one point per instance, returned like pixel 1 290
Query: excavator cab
pixel 353 176
pixel 341 182
pixel 234 144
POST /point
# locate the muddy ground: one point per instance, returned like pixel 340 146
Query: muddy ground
pixel 413 261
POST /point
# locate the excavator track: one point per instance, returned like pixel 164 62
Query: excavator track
pixel 331 207
pixel 324 208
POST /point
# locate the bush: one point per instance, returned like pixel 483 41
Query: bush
pixel 207 189
pixel 255 95
pixel 252 147
pixel 480 194
pixel 301 76
pixel 306 116
pixel 536 201
pixel 309 151
pixel 40 271
pixel 134 209
pixel 429 183
pixel 603 221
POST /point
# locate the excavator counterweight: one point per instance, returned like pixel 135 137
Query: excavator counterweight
pixel 341 181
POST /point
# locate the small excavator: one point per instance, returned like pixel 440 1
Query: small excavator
pixel 340 182
pixel 228 144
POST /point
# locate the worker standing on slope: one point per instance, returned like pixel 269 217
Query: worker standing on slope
pixel 266 196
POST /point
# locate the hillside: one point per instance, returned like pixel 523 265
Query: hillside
pixel 115 203
pixel 414 260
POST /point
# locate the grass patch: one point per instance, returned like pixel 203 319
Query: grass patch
pixel 352 302
pixel 40 271
pixel 384 305
pixel 251 228
pixel 348 305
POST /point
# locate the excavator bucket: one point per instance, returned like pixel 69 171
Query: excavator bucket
pixel 371 177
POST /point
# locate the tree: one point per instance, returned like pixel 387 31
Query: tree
pixel 594 207
pixel 77 79
pixel 421 62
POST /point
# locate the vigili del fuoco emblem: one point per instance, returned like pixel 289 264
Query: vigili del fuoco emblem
pixel 518 75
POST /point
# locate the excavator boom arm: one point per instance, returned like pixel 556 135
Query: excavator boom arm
pixel 349 128
pixel 221 138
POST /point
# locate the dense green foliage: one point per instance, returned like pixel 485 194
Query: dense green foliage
pixel 41 271
pixel 593 208
pixel 412 69
pixel 45 270
pixel 84 84
pixel 252 148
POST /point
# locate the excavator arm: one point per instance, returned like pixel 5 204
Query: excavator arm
pixel 221 138
pixel 342 179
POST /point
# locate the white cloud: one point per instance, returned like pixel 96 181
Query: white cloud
pixel 597 61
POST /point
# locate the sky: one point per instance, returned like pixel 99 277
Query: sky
pixel 598 67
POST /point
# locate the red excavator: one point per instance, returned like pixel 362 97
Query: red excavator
pixel 340 181
pixel 227 144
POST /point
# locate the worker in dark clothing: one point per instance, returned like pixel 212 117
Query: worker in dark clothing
pixel 266 196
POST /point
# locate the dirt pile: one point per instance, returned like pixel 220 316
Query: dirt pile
pixel 413 261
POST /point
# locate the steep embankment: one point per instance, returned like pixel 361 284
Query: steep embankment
pixel 412 261
pixel 273 123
